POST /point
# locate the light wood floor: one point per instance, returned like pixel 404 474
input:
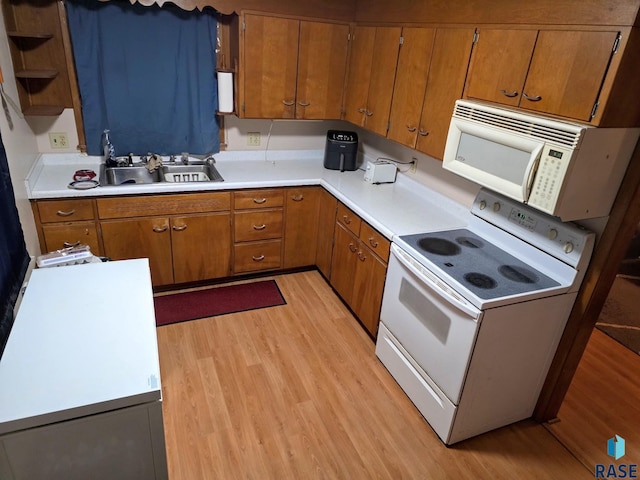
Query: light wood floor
pixel 603 400
pixel 296 392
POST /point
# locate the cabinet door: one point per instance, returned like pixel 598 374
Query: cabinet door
pixel 326 227
pixel 355 103
pixel 301 226
pixel 410 84
pixel 499 65
pixel 141 238
pixel 201 246
pixel 270 64
pixel 567 71
pixel 322 63
pixel 343 262
pixel 368 286
pixel 383 73
pixel 62 235
pixel 449 62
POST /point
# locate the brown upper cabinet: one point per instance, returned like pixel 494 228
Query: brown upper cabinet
pixel 432 67
pixel 292 68
pixel 559 72
pixel 372 70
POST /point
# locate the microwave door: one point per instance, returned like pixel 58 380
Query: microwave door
pixel 493 157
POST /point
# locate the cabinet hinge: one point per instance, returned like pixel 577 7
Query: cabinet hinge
pixel 244 25
pixel 243 108
pixel 349 37
pixel 401 40
pixel 476 36
pixel 616 43
pixel 594 110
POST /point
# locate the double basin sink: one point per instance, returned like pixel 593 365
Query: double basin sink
pixel 138 173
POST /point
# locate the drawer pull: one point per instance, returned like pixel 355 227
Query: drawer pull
pixel 65 214
pixel 288 104
pixel 411 129
pixel 362 256
pixel 346 219
pixel 160 229
pixel 352 247
pixel 71 245
pixel 258 259
pixel 509 94
pixel 537 98
pixel 304 104
pixel 423 133
pixel 259 200
pixel 179 228
pixel 373 242
pixel 297 198
pixel 259 227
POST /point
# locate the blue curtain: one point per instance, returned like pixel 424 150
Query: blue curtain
pixel 14 258
pixel 147 74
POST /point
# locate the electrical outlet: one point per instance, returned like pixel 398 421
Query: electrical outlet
pixel 414 165
pixel 58 140
pixel 253 139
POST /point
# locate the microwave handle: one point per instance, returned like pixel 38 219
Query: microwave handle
pixel 532 168
pixel 434 283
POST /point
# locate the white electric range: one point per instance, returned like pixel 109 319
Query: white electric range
pixel 471 316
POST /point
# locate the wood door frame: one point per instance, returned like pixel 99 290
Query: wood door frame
pixel 609 252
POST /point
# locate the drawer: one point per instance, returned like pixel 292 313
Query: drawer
pixel 348 219
pixel 376 242
pixel 65 210
pixel 257 225
pixel 266 198
pixel 144 206
pixel 255 256
pixel 61 236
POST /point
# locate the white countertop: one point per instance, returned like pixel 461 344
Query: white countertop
pixel 83 342
pixel 400 208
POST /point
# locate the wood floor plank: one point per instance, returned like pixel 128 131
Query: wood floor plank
pixel 296 392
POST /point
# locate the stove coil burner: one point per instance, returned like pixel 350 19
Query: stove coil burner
pixel 518 274
pixel 470 242
pixel 480 280
pixel 439 246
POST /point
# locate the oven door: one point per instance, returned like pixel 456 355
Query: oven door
pixel 434 324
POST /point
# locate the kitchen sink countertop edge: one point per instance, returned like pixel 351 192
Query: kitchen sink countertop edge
pixel 400 208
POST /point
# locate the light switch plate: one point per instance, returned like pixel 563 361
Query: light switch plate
pixel 58 140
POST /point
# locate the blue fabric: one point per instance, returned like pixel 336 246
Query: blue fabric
pixel 14 258
pixel 148 75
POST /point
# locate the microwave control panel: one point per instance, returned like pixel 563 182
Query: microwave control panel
pixel 549 178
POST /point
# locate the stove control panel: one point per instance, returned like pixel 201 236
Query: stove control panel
pixel 564 240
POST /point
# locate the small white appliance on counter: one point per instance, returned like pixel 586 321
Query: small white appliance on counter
pixel 380 171
pixel 471 316
pixel 568 170
pixel 80 392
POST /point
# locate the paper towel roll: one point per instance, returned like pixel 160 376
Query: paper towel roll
pixel 225 92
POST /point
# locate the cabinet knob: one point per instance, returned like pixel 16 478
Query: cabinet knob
pixel 509 94
pixel 288 104
pixel 411 129
pixel 368 113
pixel 361 110
pixel 297 198
pixel 352 247
pixel 60 213
pixel 259 227
pixel 258 259
pixel 180 228
pixel 537 98
pixel 259 200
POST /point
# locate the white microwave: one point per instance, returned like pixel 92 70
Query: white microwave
pixel 568 170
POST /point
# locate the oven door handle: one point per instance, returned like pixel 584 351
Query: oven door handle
pixel 437 285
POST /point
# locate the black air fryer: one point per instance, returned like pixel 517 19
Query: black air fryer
pixel 341 150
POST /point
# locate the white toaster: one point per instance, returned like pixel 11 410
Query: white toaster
pixel 380 172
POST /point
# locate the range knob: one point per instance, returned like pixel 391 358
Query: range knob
pixel 482 205
pixel 496 206
pixel 568 247
pixel 553 234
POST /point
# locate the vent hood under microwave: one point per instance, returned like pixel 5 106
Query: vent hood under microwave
pixel 568 170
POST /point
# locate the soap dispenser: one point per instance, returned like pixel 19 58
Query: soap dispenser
pixel 108 150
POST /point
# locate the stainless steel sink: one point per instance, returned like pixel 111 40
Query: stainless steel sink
pixel 194 172
pixel 134 175
pixel 137 174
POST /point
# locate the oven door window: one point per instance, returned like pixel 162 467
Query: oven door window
pixel 436 333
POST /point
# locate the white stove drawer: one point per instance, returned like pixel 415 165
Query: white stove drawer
pixel 432 403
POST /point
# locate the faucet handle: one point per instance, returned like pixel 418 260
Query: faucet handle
pixel 184 157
